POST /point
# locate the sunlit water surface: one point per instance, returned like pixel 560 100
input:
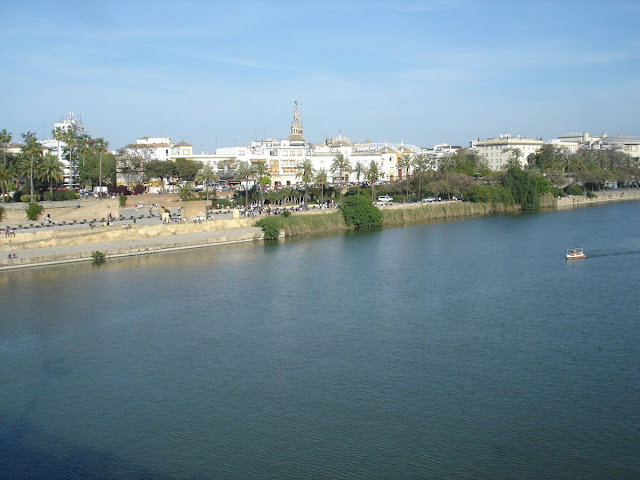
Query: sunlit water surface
pixel 467 349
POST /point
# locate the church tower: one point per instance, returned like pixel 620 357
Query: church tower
pixel 296 137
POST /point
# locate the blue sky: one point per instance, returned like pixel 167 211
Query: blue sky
pixel 223 73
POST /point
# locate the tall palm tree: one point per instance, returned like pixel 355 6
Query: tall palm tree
pixel 207 174
pixel 70 138
pixel 372 174
pixel 31 155
pixel 359 169
pixel 51 171
pixel 7 177
pixel 244 173
pixel 5 139
pixel 421 164
pixel 305 171
pixel 405 164
pixel 100 145
pixel 262 175
pixel 321 178
pixel 340 164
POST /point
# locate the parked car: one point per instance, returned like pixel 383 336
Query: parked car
pixel 385 199
pixel 428 200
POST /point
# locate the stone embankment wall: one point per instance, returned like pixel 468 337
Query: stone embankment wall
pixel 100 234
pixel 607 196
pixel 90 208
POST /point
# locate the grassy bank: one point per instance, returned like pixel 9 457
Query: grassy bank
pixel 425 213
pixel 332 220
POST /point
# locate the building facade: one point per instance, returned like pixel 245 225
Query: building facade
pixel 498 151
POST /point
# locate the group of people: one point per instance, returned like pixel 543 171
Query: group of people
pixel 7 232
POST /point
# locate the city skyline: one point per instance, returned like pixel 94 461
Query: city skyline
pixel 416 72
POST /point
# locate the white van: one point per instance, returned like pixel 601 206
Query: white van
pixel 385 199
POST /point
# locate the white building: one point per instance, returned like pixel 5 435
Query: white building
pixel 498 151
pixel 56 147
pixel 282 156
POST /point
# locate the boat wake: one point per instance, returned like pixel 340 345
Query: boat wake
pixel 612 254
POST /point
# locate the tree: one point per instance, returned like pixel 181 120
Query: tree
pixel 523 188
pixel 51 171
pixel 263 176
pixel 129 163
pixel 305 172
pixel 207 174
pixel 405 164
pixel 421 164
pixel 31 154
pixel 186 191
pixel 321 178
pixel 244 173
pixel 187 169
pixel 7 176
pixel 372 174
pixel 70 138
pixel 341 164
pixel 359 169
pixel 358 211
pixel 5 139
pixel 162 169
pixel 100 146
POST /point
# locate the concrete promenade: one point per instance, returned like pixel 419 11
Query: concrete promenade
pixel 78 243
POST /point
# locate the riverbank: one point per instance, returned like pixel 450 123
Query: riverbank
pixel 39 247
pixel 47 247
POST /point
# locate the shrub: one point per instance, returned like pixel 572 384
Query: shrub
pixel 360 212
pixel 123 200
pixel 34 210
pixel 2 213
pixel 138 189
pixel 25 198
pixel 58 195
pixel 71 195
pixel 285 214
pixel 46 196
pixel 98 256
pixel 557 192
pixel 591 195
pixel 574 190
pixel 271 227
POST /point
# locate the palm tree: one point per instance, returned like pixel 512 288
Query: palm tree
pixel 321 178
pixel 207 174
pixel 359 170
pixel 5 139
pixel 7 176
pixel 70 138
pixel 31 154
pixel 51 171
pixel 372 174
pixel 341 164
pixel 101 146
pixel 262 175
pixel 305 171
pixel 244 172
pixel 405 164
pixel 421 164
pixel 186 191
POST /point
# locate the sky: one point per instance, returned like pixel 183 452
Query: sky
pixel 223 73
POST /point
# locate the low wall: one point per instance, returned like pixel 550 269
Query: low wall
pixel 609 195
pixel 78 236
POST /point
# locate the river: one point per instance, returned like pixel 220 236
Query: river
pixel 466 349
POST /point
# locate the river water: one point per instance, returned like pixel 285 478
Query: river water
pixel 465 350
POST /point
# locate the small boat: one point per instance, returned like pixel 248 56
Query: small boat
pixel 575 253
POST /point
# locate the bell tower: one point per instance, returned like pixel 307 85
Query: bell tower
pixel 297 135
